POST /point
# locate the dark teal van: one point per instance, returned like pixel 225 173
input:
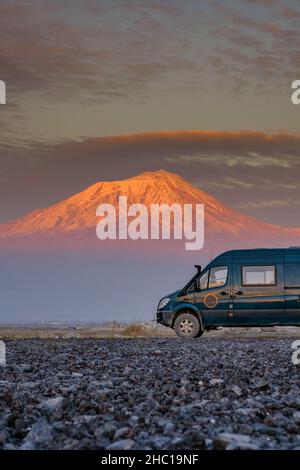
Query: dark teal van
pixel 259 287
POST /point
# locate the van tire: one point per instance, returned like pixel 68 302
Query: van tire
pixel 200 333
pixel 186 325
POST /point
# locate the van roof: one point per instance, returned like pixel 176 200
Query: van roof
pixel 257 252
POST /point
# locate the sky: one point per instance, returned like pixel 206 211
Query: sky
pixel 102 90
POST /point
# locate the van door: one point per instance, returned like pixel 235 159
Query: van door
pixel 213 296
pixel 258 294
pixel 292 293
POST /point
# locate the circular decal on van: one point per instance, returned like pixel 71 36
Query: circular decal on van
pixel 211 300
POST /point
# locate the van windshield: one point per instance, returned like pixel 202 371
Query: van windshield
pixel 203 281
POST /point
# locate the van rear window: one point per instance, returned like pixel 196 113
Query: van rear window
pixel 259 275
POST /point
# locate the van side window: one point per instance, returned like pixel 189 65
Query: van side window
pixel 259 275
pixel 292 275
pixel 218 276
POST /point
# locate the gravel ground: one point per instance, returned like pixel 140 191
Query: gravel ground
pixel 149 394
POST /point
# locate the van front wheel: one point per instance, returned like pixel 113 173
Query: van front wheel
pixel 186 325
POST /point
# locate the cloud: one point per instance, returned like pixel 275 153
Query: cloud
pixel 257 41
pixel 56 53
pixel 267 204
pixel 120 52
pixel 104 60
pixel 229 183
pixel 253 182
pixel 251 159
pixel 44 49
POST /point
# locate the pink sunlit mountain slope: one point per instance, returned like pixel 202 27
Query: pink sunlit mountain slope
pixel 77 214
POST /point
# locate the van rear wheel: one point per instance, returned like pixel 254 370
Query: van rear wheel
pixel 186 325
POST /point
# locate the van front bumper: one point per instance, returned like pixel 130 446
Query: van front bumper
pixel 165 317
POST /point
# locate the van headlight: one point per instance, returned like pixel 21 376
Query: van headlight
pixel 163 303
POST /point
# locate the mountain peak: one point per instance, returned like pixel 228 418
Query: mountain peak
pixel 157 175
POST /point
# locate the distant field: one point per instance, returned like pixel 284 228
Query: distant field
pixel 110 330
pixel 117 330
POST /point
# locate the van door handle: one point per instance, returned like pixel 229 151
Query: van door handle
pixel 239 293
pixel 224 292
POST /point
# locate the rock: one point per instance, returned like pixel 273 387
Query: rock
pixel 122 433
pixel 53 407
pixel 26 368
pixel 184 381
pixel 160 442
pixel 261 385
pixel 133 420
pixel 216 382
pixel 28 445
pixel 192 406
pixel 4 383
pixel 249 412
pixel 177 443
pixel 102 393
pixel 194 438
pixel 292 401
pixel 123 444
pixel 169 428
pixel 157 352
pixel 208 444
pixel 230 441
pixel 9 447
pixel 236 390
pixel 166 425
pixel 106 384
pixel 265 430
pixel 296 416
pixel 3 436
pixel 6 391
pixel 109 429
pixel 292 428
pixel 30 385
pixel 40 436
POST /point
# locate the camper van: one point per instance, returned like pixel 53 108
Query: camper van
pixel 240 288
